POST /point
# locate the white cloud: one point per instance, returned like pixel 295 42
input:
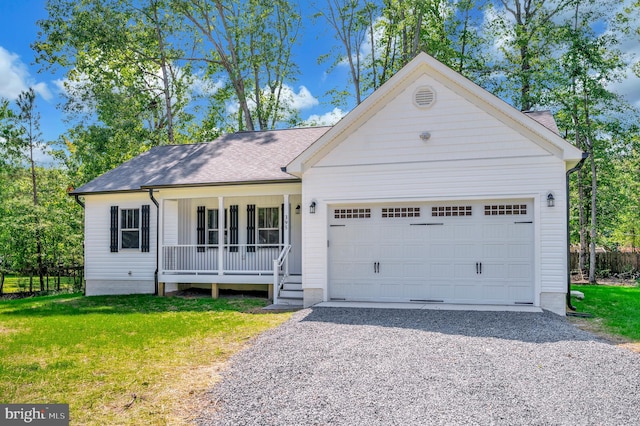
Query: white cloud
pixel 327 119
pixel 15 77
pixel 204 87
pixel 289 99
pixel 301 100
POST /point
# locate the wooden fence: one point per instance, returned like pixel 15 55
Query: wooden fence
pixel 55 278
pixel 612 263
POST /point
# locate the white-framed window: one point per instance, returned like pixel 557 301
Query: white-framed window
pixel 212 227
pixel 130 228
pixel 268 225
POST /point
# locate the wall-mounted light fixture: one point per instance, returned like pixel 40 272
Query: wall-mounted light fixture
pixel 425 136
pixel 551 201
pixel 298 209
pixel 312 207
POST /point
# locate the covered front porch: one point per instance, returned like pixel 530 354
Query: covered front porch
pixel 225 239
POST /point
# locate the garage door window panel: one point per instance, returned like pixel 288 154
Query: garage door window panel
pixel 392 212
pixel 505 210
pixel 356 213
pixel 451 211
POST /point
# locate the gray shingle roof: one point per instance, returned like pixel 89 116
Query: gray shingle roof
pixel 545 118
pixel 233 158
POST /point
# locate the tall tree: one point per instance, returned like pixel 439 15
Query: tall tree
pixel 592 115
pixel 377 38
pixel 122 79
pixel 526 30
pixel 352 22
pixel 249 43
pixel 20 144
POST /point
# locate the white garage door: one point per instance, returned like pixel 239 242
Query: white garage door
pixel 462 252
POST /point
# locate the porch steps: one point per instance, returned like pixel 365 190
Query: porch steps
pixel 291 292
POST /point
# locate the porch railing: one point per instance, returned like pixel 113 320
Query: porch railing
pixel 277 269
pixel 205 259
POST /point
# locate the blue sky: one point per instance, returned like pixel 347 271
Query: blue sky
pixel 18 71
pixel 18 30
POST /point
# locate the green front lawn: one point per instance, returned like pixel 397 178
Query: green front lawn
pixel 121 359
pixel 616 308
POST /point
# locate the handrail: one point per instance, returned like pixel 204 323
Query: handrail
pixel 250 258
pixel 285 252
pixel 277 264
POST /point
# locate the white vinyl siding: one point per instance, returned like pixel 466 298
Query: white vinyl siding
pixel 126 265
pixel 459 131
pixel 170 227
pixel 471 155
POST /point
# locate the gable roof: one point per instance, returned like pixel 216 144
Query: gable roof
pixel 539 127
pixel 545 118
pixel 234 158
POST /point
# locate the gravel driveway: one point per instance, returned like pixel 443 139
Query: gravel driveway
pixel 349 366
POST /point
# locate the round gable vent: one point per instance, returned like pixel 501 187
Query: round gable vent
pixel 424 97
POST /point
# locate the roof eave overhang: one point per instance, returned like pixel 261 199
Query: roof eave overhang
pixel 116 191
pixel 238 183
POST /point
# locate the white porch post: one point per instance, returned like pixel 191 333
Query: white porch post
pixel 285 219
pixel 221 231
pixel 287 227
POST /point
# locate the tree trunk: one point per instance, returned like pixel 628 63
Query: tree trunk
pixel 165 75
pixel 582 254
pixel 34 189
pixel 593 232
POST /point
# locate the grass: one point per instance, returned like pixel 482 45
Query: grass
pixel 616 309
pixel 121 359
pixel 14 283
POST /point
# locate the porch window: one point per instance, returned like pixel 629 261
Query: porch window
pixel 268 225
pixel 130 228
pixel 212 227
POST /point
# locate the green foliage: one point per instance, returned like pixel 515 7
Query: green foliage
pixel 247 45
pixel 60 220
pixel 94 353
pixel 125 92
pixel 616 308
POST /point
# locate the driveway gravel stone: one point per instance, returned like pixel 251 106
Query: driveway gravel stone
pixel 350 366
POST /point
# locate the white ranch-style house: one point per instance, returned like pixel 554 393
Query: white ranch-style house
pixel 431 191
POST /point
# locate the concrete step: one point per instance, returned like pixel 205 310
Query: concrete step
pixel 290 294
pixel 292 286
pixel 285 301
pixel 294 279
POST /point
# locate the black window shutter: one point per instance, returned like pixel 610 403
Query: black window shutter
pixel 251 228
pixel 114 229
pixel 145 228
pixel 233 228
pixel 201 228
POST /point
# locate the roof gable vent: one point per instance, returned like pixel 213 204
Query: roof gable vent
pixel 424 97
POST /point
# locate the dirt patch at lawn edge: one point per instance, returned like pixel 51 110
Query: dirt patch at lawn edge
pixel 595 326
